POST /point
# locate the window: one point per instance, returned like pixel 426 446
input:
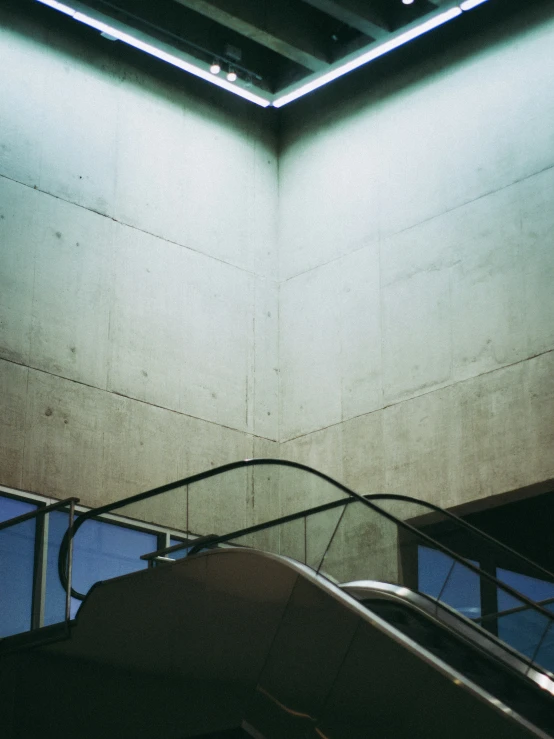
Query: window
pixel 523 525
pixel 12 507
pixel 32 594
pixel 439 576
pixel 103 550
pixel 17 556
pixel 181 552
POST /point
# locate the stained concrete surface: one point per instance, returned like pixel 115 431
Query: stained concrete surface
pixel 145 332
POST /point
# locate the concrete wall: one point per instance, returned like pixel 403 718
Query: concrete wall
pixel 138 299
pixel 417 264
pixel 139 283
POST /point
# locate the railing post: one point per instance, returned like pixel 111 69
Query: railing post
pixel 39 570
pixel 69 564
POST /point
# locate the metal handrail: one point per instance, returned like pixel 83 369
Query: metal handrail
pixel 511 611
pixel 296 465
pixel 216 471
pixel 405 498
pixel 40 511
pixel 463 524
pixel 43 511
pixel 260 527
pixel 213 541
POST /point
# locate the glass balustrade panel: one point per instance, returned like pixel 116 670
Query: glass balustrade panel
pixel 364 546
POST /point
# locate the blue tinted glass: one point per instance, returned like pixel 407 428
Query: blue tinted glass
pixel 461 590
pixel 181 553
pixel 531 587
pixel 104 550
pixel 545 653
pixel 17 556
pixel 523 630
pixel 10 508
pixel 432 570
pixel 54 606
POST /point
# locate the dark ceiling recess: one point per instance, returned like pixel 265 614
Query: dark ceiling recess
pixel 277 50
pixel 279 41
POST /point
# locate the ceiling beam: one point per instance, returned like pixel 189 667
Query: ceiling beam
pixel 355 13
pixel 276 26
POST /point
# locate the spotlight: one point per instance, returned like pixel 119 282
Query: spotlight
pixel 165 53
pixel 231 75
pixel 215 68
pixel 408 2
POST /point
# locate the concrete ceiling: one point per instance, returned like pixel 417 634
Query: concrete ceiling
pixel 274 46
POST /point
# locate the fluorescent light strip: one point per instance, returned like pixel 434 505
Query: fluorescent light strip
pixel 58 6
pixel 314 84
pixel 469 4
pixel 156 52
pixel 369 56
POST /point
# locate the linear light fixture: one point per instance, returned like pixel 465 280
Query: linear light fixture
pixel 58 6
pixel 469 4
pixel 132 39
pixel 369 56
pixel 135 39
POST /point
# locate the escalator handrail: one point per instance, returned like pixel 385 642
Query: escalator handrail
pixel 463 524
pixel 449 618
pixel 96 512
pixel 202 542
pixel 511 611
pixel 305 468
pixel 224 538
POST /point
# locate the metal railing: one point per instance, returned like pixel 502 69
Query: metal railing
pixel 413 533
pixel 39 562
pixel 368 499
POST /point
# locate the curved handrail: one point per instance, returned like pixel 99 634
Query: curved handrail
pixel 365 500
pixel 214 540
pixel 243 463
pixel 282 463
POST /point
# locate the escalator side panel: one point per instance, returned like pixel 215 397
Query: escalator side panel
pixel 180 651
pixel 388 688
pixel 296 678
pixel 480 666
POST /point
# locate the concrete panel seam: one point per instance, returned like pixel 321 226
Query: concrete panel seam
pixel 136 400
pixel 135 228
pixel 472 200
pixel 24 449
pixel 419 395
pixel 382 238
pixel 331 261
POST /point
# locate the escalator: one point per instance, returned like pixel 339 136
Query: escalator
pixel 307 625
pixel 471 651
